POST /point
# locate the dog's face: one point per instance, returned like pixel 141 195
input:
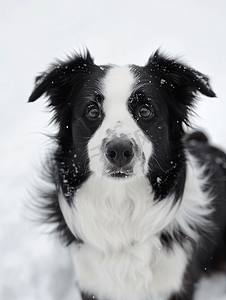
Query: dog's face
pixel 120 123
pixel 120 148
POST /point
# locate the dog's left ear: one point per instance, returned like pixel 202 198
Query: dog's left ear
pixel 181 85
pixel 180 77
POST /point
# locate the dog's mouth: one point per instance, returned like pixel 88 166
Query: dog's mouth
pixel 120 173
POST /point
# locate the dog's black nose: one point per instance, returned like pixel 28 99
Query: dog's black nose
pixel 119 151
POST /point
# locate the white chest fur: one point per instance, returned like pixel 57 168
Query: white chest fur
pixel 122 257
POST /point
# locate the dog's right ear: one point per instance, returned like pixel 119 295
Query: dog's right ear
pixel 55 82
pixel 48 83
pixel 60 83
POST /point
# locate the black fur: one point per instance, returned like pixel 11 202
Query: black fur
pixel 171 88
pixel 67 84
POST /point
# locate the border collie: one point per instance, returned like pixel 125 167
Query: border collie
pixel 141 204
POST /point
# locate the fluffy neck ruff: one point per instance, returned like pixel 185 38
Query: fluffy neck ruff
pixel 110 215
pixel 121 226
pixel 118 214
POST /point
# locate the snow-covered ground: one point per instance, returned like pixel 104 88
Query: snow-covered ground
pixel 33 33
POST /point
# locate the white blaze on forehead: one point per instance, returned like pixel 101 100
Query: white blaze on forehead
pixel 117 87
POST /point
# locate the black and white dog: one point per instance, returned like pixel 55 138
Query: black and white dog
pixel 142 207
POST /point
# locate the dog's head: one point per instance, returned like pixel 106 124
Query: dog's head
pixel 120 122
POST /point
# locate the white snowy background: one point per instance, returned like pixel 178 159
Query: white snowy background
pixel 33 33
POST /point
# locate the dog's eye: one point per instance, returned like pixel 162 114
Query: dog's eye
pixel 93 112
pixel 145 112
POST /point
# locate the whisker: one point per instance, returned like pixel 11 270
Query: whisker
pixel 159 164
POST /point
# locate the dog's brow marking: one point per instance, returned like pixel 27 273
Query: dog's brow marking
pixel 117 88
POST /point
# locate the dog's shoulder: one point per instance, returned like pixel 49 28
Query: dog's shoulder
pixel 213 158
pixel 212 161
